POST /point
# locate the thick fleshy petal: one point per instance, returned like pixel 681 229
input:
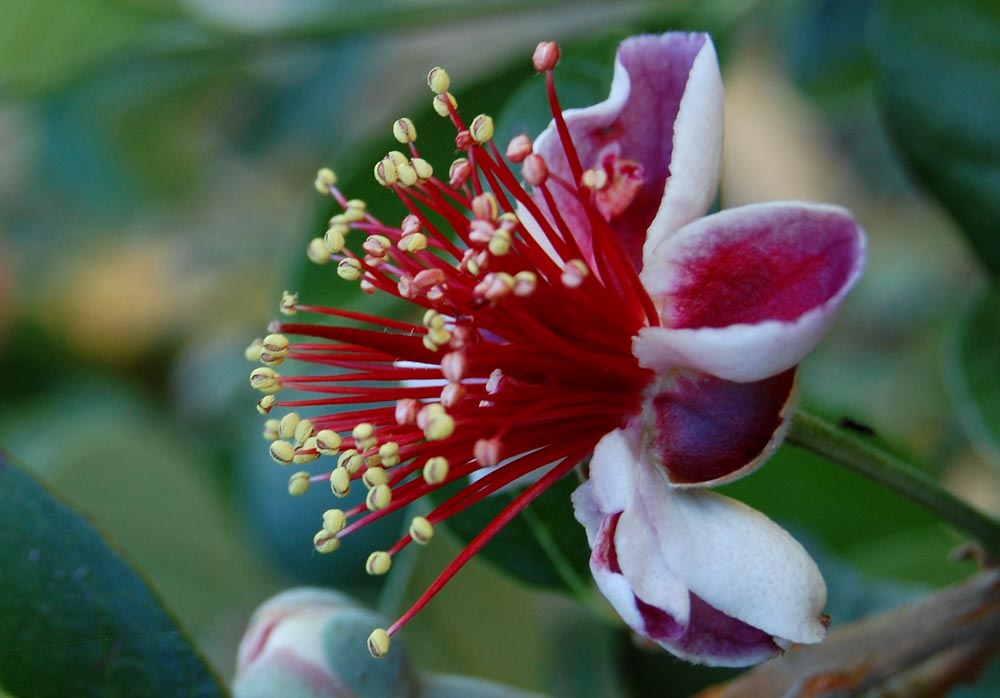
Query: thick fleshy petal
pixel 705 431
pixel 748 292
pixel 665 106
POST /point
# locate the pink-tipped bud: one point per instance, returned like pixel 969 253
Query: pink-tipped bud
pixel 519 148
pixel 546 56
pixel 463 140
pixel 487 452
pixel 534 170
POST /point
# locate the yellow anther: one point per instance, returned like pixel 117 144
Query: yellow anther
pixel 288 425
pixel 335 238
pixel 440 428
pixel 481 129
pixel 328 442
pixel 398 157
pixel 378 643
pixel 423 169
pixel 389 454
pixel 404 130
pixel 266 404
pixel 414 242
pixel 407 174
pixel 349 269
pixel 351 461
pixel 340 481
pixel 444 103
pixel 385 172
pixel 438 80
pixel 358 204
pixel 317 252
pixel 440 336
pixel 303 431
pixel 298 484
pixel 525 283
pixel 594 179
pixel 499 244
pixel 486 207
pixel 421 530
pixel 574 273
pixel 352 214
pixel 378 562
pixel 282 452
pixel 433 319
pixel 253 352
pixel 325 178
pixel 364 435
pixel 436 470
pixel 275 349
pixel 379 497
pixel 325 542
pixel 265 380
pixel 374 477
pixel 308 453
pixel 271 432
pixel 377 245
pixel 289 303
pixel 373 460
pixel 334 520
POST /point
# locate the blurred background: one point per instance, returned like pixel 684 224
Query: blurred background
pixel 156 167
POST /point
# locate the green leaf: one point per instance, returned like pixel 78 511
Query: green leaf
pixel 75 619
pixel 972 374
pixel 938 67
pixel 543 546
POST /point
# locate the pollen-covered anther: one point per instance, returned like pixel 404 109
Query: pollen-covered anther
pixel 421 530
pixel 317 252
pixel 379 498
pixel 407 174
pixel 304 431
pixel 351 461
pixel 519 148
pixel 414 242
pixel 328 442
pixel 378 643
pixel 340 481
pixel 459 173
pixel 435 422
pixel 274 349
pixel 388 453
pixel 486 207
pixel 404 131
pixel 289 422
pixel 364 435
pixel 334 521
pixel 271 431
pixel 594 179
pixel 373 477
pixel 435 339
pixel 355 211
pixel 481 129
pixel 325 178
pixel 546 56
pixel 575 272
pixel 438 80
pixel 487 452
pixel 298 484
pixel 385 172
pixel 435 470
pixel 254 350
pixel 308 452
pixel 525 283
pixel 325 542
pixel 535 170
pixel 349 269
pixel 423 169
pixel 444 103
pixel 265 379
pixel 335 238
pixel 282 452
pixel 289 303
pixel 406 411
pixel 377 245
pixel 266 404
pixel 500 243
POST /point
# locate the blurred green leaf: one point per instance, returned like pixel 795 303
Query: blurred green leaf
pixel 972 374
pixel 544 546
pixel 76 619
pixel 44 43
pixel 938 67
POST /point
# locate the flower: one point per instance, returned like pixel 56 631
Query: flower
pixel 589 307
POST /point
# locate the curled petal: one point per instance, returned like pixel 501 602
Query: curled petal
pixel 705 431
pixel 665 107
pixel 748 292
